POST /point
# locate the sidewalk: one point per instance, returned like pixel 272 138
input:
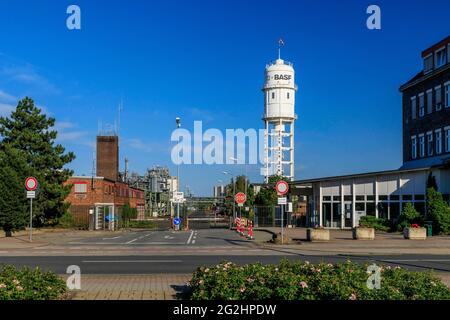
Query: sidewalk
pixel 132 287
pixel 341 242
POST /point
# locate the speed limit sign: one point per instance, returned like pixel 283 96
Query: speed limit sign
pixel 282 187
pixel 31 184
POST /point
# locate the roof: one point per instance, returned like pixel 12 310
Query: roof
pixel 359 175
pixel 426 162
pixel 435 46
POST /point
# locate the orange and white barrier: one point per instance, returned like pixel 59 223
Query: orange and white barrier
pixel 250 230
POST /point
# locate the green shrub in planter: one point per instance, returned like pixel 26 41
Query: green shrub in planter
pixel 376 223
pixel 304 281
pixel 28 284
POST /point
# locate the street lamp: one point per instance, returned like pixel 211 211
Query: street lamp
pixel 234 192
pixel 177 227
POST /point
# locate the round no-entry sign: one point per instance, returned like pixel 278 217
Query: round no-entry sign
pixel 31 184
pixel 282 187
pixel 240 197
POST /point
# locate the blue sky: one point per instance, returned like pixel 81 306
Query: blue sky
pixel 204 60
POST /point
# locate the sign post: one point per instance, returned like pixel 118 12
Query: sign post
pixel 240 199
pixel 31 185
pixel 282 187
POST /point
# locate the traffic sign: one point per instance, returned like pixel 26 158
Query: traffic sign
pixel 31 184
pixel 31 194
pixel 240 197
pixel 282 187
pixel 282 200
pixel 176 221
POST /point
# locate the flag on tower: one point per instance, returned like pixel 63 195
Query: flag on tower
pixel 280 43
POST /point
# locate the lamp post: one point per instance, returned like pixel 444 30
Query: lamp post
pixel 234 192
pixel 177 227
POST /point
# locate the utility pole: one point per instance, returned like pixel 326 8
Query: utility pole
pixel 177 227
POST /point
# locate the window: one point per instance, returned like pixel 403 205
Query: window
pixel 326 198
pixel 288 95
pixel 420 197
pixel 430 143
pixel 414 147
pixel 413 107
pixel 382 198
pixel 359 198
pixel 421 105
pixel 447 139
pixel 273 95
pixel 447 94
pixel 438 98
pixel 430 101
pixel 394 197
pixel 440 57
pixel 360 206
pixel 407 197
pixel 428 63
pixel 438 141
pixel 80 187
pixel 421 146
pixel 336 198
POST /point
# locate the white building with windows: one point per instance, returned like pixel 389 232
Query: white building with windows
pixel 340 202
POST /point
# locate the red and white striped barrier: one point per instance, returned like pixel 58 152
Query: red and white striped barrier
pixel 250 230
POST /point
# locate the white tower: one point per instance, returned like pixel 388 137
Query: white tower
pixel 279 117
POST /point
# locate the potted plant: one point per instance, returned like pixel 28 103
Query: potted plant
pixel 415 231
pixel 317 234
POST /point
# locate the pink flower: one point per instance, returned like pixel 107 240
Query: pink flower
pixel 352 297
pixel 303 284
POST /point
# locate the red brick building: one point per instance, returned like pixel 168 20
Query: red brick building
pixel 97 202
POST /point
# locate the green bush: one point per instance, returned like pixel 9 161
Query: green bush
pixel 438 211
pixel 28 284
pixel 408 216
pixel 66 220
pixel 376 223
pixel 304 281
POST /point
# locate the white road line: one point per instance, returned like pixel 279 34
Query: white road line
pixel 418 260
pixel 131 261
pixel 131 241
pixel 190 237
pixel 112 238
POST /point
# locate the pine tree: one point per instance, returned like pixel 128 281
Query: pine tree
pixel 30 131
pixel 13 204
pixel 438 212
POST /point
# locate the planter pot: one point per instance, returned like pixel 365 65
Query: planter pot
pixel 415 233
pixel 317 234
pixel 363 233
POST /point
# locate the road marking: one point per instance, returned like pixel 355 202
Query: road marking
pixel 418 260
pixel 131 261
pixel 112 238
pixel 190 237
pixel 138 238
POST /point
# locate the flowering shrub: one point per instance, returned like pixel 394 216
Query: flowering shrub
pixel 415 225
pixel 304 281
pixel 28 284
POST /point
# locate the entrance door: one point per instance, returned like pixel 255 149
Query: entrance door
pixel 348 219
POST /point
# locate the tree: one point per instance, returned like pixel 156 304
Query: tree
pixel 438 212
pixel 267 196
pixel 408 216
pixel 13 204
pixel 29 131
pixel 431 182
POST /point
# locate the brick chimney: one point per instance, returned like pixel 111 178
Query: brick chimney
pixel 108 157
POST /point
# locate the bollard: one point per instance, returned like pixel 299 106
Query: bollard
pixel 250 230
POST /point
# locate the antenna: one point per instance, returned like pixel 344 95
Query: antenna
pixel 280 44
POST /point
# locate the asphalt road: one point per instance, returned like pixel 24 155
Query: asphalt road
pixel 204 237
pixel 177 253
pixel 187 264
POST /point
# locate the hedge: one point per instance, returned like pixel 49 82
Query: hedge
pixel 305 281
pixel 30 284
